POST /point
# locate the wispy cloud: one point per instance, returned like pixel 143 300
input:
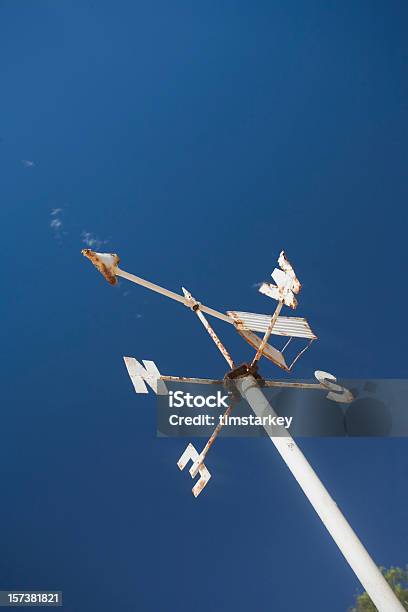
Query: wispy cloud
pixel 27 163
pixel 256 285
pixel 56 223
pixel 91 240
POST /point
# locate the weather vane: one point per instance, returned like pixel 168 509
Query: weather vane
pixel 244 381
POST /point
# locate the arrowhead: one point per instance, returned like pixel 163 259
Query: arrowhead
pixel 190 301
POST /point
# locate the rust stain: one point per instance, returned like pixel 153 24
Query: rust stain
pixel 195 306
pixel 106 272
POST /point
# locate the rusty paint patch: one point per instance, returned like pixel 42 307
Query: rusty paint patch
pixel 106 263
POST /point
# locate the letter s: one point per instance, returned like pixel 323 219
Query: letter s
pixel 337 392
pixel 178 397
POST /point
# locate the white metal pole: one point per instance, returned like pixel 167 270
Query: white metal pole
pixel 353 550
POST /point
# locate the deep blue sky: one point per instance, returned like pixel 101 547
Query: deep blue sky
pixel 197 140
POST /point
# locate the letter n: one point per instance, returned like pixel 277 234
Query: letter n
pixel 140 375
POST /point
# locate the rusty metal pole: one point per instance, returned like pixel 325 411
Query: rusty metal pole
pixel 196 307
pixel 346 539
pixel 268 332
